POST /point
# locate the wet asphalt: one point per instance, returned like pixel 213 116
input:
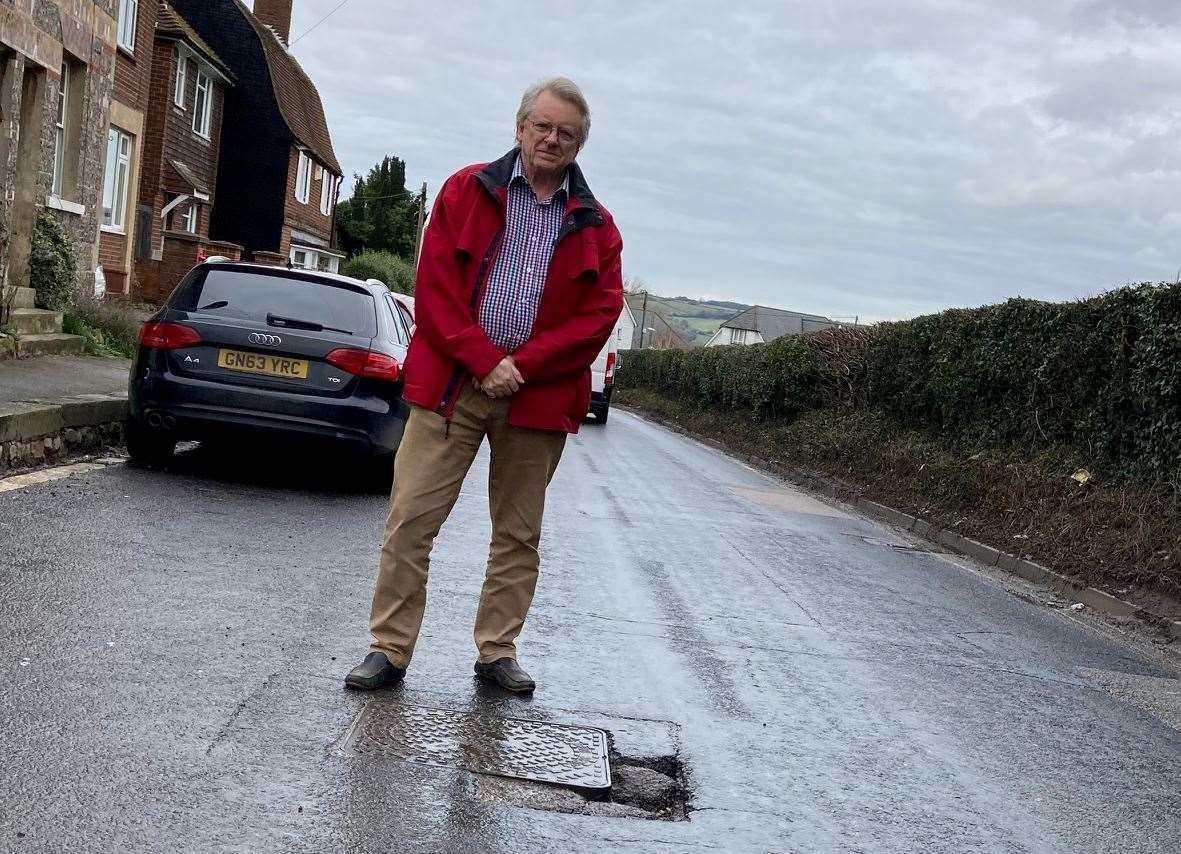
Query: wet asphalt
pixel 173 645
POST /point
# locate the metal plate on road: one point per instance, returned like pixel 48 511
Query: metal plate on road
pixel 571 756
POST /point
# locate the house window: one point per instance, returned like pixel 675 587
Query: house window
pixel 188 222
pixel 328 192
pixel 203 106
pixel 303 178
pixel 128 12
pixel 310 259
pixel 67 129
pixel 115 180
pixel 182 79
pixel 59 157
pixel 737 336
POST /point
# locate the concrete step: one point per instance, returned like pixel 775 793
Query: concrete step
pixel 34 321
pixel 49 344
pixel 19 298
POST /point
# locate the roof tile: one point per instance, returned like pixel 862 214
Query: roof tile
pixel 296 95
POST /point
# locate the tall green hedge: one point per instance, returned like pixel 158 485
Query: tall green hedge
pixel 1102 374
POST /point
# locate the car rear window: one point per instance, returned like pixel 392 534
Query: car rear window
pixel 244 295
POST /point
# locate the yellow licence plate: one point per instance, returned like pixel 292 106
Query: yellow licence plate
pixel 260 363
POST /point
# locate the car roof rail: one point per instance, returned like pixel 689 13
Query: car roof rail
pixel 378 282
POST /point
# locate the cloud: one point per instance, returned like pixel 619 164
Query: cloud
pixel 842 157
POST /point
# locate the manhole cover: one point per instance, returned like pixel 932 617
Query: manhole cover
pixel 506 747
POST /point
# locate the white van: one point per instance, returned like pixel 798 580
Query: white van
pixel 603 381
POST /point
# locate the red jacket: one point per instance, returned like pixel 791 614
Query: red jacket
pixel 579 307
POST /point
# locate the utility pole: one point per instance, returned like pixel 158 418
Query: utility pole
pixel 418 230
pixel 643 319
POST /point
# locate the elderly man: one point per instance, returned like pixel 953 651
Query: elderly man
pixel 518 289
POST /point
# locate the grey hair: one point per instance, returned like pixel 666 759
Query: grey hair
pixel 567 90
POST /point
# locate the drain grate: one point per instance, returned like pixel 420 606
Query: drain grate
pixel 505 747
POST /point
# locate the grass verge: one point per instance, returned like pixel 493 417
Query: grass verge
pixel 1122 538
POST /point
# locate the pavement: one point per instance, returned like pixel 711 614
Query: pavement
pixel 174 643
pixel 51 406
pixel 48 380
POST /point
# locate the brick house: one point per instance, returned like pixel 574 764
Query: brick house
pixel 182 143
pixel 56 63
pixel 136 21
pixel 277 160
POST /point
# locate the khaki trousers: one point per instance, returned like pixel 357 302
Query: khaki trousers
pixel 429 469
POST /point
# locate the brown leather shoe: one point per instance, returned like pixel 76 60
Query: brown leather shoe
pixel 506 673
pixel 374 672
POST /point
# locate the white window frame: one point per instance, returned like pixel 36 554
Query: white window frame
pixel 189 221
pixel 203 105
pixel 59 137
pixel 128 16
pixel 311 260
pixel 327 192
pixel 116 181
pixel 303 178
pixel 182 79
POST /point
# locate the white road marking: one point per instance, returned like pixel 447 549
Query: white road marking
pixel 21 481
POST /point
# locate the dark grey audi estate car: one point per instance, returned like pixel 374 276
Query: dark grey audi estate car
pixel 244 349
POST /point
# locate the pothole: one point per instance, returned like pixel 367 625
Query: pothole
pixel 652 788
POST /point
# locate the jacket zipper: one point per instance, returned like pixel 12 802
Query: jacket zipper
pixel 454 384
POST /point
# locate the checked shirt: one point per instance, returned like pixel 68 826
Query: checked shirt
pixel 518 276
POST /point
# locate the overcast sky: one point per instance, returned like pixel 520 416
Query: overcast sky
pixel 881 159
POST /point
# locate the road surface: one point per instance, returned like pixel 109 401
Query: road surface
pixel 174 643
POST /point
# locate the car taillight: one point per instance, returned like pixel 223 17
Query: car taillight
pixel 609 374
pixel 168 336
pixel 365 363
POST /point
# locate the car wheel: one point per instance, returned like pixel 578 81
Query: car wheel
pixel 146 447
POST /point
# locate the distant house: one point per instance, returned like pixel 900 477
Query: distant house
pixel 758 324
pixel 625 329
pixel 277 160
pixel 182 142
pixel 650 330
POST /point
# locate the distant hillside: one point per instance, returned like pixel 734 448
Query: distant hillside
pixel 696 320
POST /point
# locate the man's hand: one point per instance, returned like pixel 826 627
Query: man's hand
pixel 504 379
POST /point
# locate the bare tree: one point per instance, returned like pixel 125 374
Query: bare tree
pixel 634 285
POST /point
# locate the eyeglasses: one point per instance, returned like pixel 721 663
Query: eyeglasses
pixel 544 129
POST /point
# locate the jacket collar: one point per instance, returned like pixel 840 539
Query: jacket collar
pixel 496 176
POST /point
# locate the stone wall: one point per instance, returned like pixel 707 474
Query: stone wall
pixel 35 37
